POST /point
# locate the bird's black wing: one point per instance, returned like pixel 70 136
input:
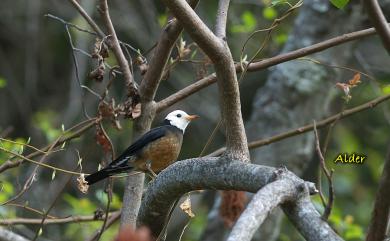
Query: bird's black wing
pixel 147 138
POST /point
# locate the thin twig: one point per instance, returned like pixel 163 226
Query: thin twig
pixel 38 163
pixel 85 15
pixel 67 137
pixel 328 174
pixel 112 219
pixel 263 64
pixel 120 57
pixel 38 233
pixel 31 178
pixel 24 206
pixel 71 219
pixel 306 128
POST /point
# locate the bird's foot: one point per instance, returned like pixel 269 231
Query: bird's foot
pixel 149 167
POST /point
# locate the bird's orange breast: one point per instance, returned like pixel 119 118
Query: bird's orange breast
pixel 160 153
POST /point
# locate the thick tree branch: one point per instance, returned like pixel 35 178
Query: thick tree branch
pixel 263 64
pixel 6 235
pixel 220 25
pixel 306 128
pixel 381 211
pixel 378 19
pixel 120 57
pixel 308 221
pixel 261 205
pixel 203 173
pixel 218 51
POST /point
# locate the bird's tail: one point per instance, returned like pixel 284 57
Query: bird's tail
pixel 104 173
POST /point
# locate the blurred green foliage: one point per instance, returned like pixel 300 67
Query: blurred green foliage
pixel 339 3
pixel 3 82
pixel 248 23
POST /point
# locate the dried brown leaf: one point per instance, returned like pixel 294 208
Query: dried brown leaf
pixel 355 80
pixel 186 207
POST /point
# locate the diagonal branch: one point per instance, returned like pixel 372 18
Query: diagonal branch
pixel 124 65
pixel 263 64
pixel 303 215
pixel 214 174
pixel 261 205
pixel 378 19
pixel 87 18
pixel 300 130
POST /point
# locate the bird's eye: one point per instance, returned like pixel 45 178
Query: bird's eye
pixel 178 115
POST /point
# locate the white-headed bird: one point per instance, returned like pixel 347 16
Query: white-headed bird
pixel 153 152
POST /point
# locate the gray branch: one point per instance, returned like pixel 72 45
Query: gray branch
pixel 6 235
pixel 218 174
pixel 220 25
pixel 308 221
pixel 261 205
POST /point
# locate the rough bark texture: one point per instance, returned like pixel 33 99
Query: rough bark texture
pixel 6 235
pixel 218 174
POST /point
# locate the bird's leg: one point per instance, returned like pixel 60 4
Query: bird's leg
pixel 149 167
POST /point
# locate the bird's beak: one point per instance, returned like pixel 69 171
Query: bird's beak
pixel 191 117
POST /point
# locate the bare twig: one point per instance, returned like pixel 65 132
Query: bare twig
pixel 85 15
pixel 31 178
pixel 57 196
pixel 263 64
pixel 71 219
pixel 86 125
pixel 24 206
pixel 378 19
pixel 120 57
pixel 381 210
pixel 328 174
pixel 306 128
pixel 112 219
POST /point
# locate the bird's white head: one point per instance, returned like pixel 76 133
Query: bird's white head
pixel 180 119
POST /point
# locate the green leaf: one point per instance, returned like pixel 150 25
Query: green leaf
pixel 3 82
pixel 354 232
pixel 386 89
pixel 281 38
pixel 340 4
pixel 269 13
pixel 248 23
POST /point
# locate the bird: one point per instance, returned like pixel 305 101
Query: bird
pixel 153 151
